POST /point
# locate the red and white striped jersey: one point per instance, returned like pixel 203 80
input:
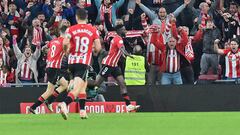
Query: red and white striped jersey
pixel 55 53
pixel 173 64
pixel 153 53
pixel 25 72
pixel 81 37
pixel 3 78
pixel 232 61
pixel 114 52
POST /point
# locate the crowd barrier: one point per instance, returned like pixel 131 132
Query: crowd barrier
pixel 183 98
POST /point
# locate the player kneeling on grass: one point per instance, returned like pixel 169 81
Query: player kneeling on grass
pixel 79 41
pixel 54 73
pixel 110 67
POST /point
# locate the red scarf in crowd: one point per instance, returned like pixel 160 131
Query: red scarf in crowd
pixel 205 17
pixel 157 1
pixel 189 50
pixel 57 19
pixel 37 35
pixel 88 3
pixel 102 11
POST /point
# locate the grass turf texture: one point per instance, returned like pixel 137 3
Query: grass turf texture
pixel 212 123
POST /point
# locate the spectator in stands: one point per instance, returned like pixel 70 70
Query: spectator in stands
pixel 4 49
pixel 47 9
pixel 33 8
pixel 232 58
pixel 209 57
pixel 206 10
pixel 172 55
pixel 186 64
pixel 26 71
pixel 230 26
pixel 3 73
pixel 36 33
pixel 106 6
pixel 161 19
pixel 12 20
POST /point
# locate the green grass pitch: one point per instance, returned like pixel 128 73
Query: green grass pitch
pixel 211 123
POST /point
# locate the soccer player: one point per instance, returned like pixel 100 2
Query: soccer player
pixel 110 67
pixel 54 60
pixel 79 42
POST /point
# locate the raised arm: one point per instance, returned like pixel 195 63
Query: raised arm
pixel 37 52
pixel 118 4
pixel 98 3
pixel 147 11
pixel 16 50
pixel 180 9
pixel 216 48
pixel 184 38
pixel 125 53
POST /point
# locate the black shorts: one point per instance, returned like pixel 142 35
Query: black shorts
pixel 52 75
pixel 107 70
pixel 79 70
pixel 64 73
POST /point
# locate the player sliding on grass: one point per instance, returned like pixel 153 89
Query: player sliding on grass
pixel 110 67
pixel 54 72
pixel 79 42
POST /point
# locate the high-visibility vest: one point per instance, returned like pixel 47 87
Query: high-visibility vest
pixel 135 70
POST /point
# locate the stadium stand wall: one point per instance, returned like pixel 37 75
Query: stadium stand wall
pixel 184 98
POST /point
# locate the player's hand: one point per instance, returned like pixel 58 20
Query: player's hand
pixel 195 20
pixel 138 1
pixel 27 14
pixel 11 22
pixel 200 27
pixel 14 39
pixel 130 11
pixel 186 2
pixel 131 56
pixel 172 18
pixel 217 41
pixel 180 28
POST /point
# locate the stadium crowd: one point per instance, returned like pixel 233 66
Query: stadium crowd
pixel 172 41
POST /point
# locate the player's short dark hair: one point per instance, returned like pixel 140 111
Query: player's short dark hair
pixel 235 40
pixel 117 27
pixel 40 13
pixel 81 14
pixel 234 3
pixel 62 29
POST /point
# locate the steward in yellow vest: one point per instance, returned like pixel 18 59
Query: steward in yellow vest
pixel 135 68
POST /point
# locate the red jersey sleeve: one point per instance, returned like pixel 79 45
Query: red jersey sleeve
pixel 95 33
pixel 226 51
pixel 119 42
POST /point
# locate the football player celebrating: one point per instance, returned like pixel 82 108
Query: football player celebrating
pixel 79 41
pixel 54 60
pixel 110 67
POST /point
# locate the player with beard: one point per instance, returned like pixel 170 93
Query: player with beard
pixel 54 72
pixel 110 67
